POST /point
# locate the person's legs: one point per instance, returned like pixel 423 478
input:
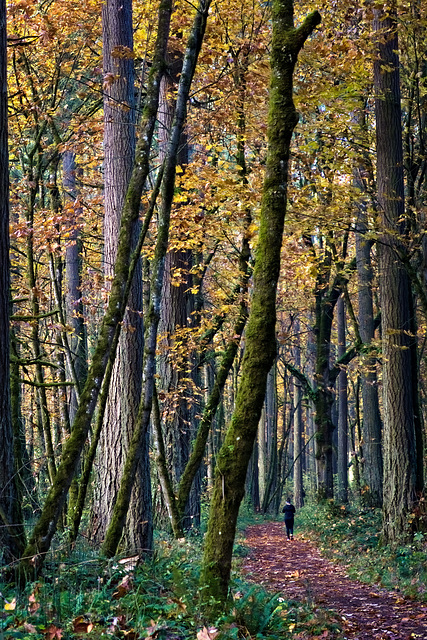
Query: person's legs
pixel 288 529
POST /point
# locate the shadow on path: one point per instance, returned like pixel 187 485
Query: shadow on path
pixel 297 569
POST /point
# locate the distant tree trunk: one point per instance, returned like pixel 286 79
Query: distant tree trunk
pixel 372 425
pixel 252 480
pixel 73 290
pixel 342 490
pixel 260 351
pixel 262 455
pixel 298 426
pixel 179 374
pixel 74 310
pixel 399 434
pixel 326 300
pixel 356 437
pixel 311 453
pixel 37 352
pixel 270 403
pixel 11 530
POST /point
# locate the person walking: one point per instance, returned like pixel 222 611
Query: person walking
pixel 289 511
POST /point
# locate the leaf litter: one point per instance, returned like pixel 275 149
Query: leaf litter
pixel 297 569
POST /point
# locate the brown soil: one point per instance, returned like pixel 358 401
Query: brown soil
pixel 299 572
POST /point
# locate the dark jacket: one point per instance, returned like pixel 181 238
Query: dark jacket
pixel 289 511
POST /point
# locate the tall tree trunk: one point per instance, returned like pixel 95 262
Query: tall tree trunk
pixel 342 490
pixel 177 379
pixel 372 425
pixel 42 534
pixel 74 310
pixel 298 426
pixel 121 506
pixel 126 380
pixel 325 304
pixel 235 453
pixel 270 430
pixel 73 290
pixel 399 434
pixel 11 530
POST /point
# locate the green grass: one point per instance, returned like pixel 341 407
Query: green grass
pixel 352 536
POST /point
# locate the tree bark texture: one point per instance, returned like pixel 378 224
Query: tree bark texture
pixel 194 44
pixel 96 434
pixel 372 424
pixel 11 532
pixel 235 453
pixel 43 532
pixel 126 380
pixel 399 433
pixel 298 426
pixel 342 489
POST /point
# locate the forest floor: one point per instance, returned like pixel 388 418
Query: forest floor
pixel 298 570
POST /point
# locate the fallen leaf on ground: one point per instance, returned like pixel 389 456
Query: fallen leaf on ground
pixel 81 625
pixel 207 634
pixel 52 631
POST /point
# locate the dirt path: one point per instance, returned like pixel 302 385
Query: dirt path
pixel 297 569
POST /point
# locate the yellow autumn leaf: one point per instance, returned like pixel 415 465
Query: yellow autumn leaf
pixel 10 606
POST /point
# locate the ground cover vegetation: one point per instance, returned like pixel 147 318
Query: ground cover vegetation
pixel 352 536
pixel 214 278
pixel 81 596
pixel 160 598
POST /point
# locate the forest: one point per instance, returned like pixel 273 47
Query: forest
pixel 213 293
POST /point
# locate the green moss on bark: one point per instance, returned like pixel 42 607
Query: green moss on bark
pixel 42 534
pixel 195 40
pixel 233 458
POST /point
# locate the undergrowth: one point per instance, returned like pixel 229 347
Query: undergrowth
pixel 159 599
pixel 353 536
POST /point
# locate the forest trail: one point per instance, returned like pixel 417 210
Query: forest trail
pixel 297 569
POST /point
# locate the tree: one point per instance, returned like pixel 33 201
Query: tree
pixel 11 531
pixel 260 351
pixel 372 425
pixel 126 380
pixel 45 527
pixel 298 426
pixel 342 492
pixel 177 375
pixel 121 506
pixel 400 463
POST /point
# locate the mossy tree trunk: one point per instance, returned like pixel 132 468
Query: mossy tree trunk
pixel 121 506
pixel 77 512
pixel 42 534
pixel 11 530
pixel 235 453
pixel 124 393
